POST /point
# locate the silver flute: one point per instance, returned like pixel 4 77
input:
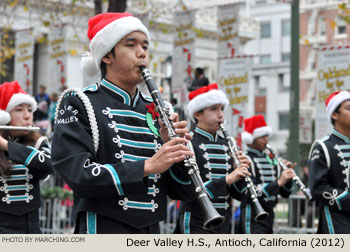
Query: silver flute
pixel 24 128
pixel 212 219
pixel 296 178
pixel 260 212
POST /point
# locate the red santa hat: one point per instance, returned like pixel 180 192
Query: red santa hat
pixel 255 127
pixel 12 95
pixel 105 31
pixel 205 97
pixel 334 100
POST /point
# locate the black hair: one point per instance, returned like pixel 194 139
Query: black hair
pixel 199 70
pixel 336 111
pixel 103 65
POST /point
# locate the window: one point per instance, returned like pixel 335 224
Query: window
pixel 265 30
pixel 281 84
pixel 321 26
pixel 283 119
pixel 285 57
pixel 286 28
pixel 259 91
pixel 265 59
pixel 341 26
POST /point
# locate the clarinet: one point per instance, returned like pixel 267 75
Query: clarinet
pixel 296 179
pixel 212 219
pixel 260 212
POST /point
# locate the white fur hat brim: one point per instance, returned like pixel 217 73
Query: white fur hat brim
pixel 258 132
pixel 5 117
pixel 335 102
pixel 107 38
pixel 20 98
pixel 205 100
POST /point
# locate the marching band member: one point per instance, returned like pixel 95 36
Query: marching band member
pixel 206 109
pixel 107 144
pixel 24 161
pixel 329 175
pixel 266 174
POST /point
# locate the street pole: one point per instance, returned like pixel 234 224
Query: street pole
pixel 293 142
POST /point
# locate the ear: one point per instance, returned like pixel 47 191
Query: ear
pixel 335 116
pixel 198 115
pixel 107 59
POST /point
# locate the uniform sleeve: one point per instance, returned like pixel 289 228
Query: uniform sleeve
pixel 216 187
pixel 74 158
pixel 286 190
pixel 38 160
pixel 179 183
pixel 320 188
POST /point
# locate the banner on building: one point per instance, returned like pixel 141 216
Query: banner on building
pixel 333 74
pixel 57 56
pixel 233 79
pixel 24 59
pixel 228 40
pixel 183 52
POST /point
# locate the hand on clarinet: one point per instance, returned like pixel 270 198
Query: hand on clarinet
pixel 179 126
pixel 171 152
pixel 243 158
pixel 286 175
pixel 237 174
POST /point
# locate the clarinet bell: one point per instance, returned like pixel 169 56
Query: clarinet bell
pixel 212 219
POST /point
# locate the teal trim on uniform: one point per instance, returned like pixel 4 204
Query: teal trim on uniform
pixel 19 167
pixel 179 180
pixel 14 198
pixel 218 156
pixel 204 133
pixel 344 155
pixel 115 177
pixel 91 223
pixel 16 187
pixel 127 113
pixel 138 144
pixel 344 147
pixel 219 166
pixel 259 165
pixel 258 160
pixel 267 172
pixel 91 88
pixel 146 97
pixel 288 189
pixel 187 219
pixel 215 146
pixel 341 136
pixel 217 176
pixel 140 205
pixel 247 218
pixel 211 195
pixel 31 155
pixel 264 190
pixel 329 220
pixel 342 195
pixel 136 98
pixel 257 152
pixel 238 190
pixel 133 129
pixel 220 205
pixel 16 177
pixel 130 157
pixel 117 90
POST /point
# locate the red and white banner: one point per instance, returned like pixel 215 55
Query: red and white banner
pixel 24 59
pixel 183 52
pixel 333 74
pixel 228 20
pixel 57 56
pixel 233 79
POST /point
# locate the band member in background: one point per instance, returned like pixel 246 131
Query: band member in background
pixel 329 175
pixel 206 109
pixel 24 161
pixel 267 175
pixel 120 162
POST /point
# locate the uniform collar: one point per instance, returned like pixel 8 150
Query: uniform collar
pixel 257 152
pixel 341 136
pixel 121 94
pixel 206 134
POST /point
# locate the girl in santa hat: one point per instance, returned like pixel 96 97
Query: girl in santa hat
pixel 24 161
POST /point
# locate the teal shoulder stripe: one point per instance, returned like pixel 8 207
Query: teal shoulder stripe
pixel 31 155
pixel 187 219
pixel 329 220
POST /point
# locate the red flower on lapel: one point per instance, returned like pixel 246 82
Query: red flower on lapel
pixel 271 156
pixel 152 110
